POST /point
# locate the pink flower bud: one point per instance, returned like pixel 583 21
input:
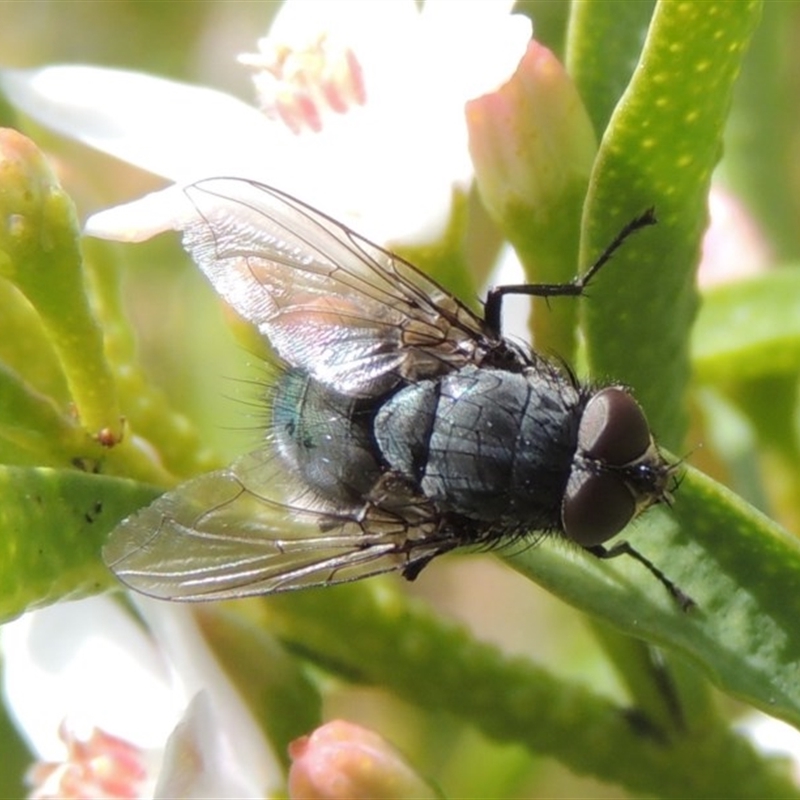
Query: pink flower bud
pixel 343 761
pixel 531 141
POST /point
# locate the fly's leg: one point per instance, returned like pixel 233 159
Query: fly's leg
pixel 575 288
pixel 624 549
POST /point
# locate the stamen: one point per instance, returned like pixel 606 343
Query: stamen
pixel 301 85
pixel 100 766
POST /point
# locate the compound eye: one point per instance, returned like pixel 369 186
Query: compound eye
pixel 613 428
pixel 596 507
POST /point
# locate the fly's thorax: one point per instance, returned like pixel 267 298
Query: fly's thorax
pixel 489 445
pixel 617 471
pixel 323 437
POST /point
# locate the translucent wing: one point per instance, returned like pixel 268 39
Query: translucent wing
pixel 244 531
pixel 349 313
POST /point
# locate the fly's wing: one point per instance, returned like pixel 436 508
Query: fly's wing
pixel 243 531
pixel 350 314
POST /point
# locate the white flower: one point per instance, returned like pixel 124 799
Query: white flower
pixel 115 710
pixel 362 109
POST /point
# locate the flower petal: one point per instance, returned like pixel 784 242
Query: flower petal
pixel 387 167
pixel 88 662
pixel 173 129
pixel 141 219
pixel 198 762
pixel 480 41
pixel 197 670
pixel 532 141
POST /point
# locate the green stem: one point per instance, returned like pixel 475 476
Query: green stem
pixel 384 639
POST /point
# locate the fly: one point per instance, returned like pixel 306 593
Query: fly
pixel 403 425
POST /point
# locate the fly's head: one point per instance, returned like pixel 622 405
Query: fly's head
pixel 617 472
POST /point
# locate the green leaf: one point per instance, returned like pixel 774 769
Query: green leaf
pixel 52 526
pixel 26 348
pixel 61 400
pixel 732 560
pixel 760 141
pixel 33 431
pixel 660 146
pixel 604 42
pixel 749 329
pixel 659 150
pixel 147 411
pixel 746 343
pixel 40 255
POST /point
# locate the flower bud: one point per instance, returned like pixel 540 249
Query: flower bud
pixel 531 141
pixel 37 217
pixel 533 148
pixel 343 761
